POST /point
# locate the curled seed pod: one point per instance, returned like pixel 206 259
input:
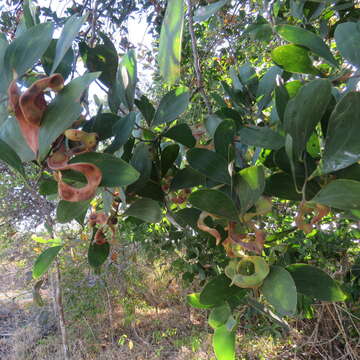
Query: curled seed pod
pixel 249 272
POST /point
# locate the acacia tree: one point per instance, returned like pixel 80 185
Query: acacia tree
pixel 271 128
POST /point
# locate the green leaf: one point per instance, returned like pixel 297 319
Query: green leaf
pixel 67 211
pixel 24 51
pixel 214 202
pixel 104 58
pixel 347 37
pixel 187 178
pixel 299 36
pixel 280 291
pixel 142 162
pixel 341 194
pixel 170 41
pixel 218 290
pixel 62 112
pixel 173 104
pixel 68 34
pixel 315 283
pixel 262 137
pixel 9 156
pixel 11 134
pixel 211 124
pixel 250 186
pixel 168 157
pixel 194 301
pixel 146 108
pixel 103 125
pixel 65 66
pixel 224 343
pixel 127 78
pixel 97 254
pixel 48 187
pixel 282 186
pixel 293 58
pixel 305 110
pixel 115 172
pixel 122 130
pixel 44 261
pixel 3 75
pixel 209 163
pixel 182 134
pixel 203 13
pixel 224 138
pixel 342 146
pixel 187 217
pixel 219 315
pixel 144 209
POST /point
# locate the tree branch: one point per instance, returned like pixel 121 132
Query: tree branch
pixel 199 80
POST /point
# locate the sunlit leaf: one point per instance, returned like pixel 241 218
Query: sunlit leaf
pixel 170 41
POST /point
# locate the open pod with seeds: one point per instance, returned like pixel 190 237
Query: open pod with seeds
pixel 248 272
pixel 87 140
pixel 59 162
pixel 30 106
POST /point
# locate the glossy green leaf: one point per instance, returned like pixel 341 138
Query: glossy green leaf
pixel 300 36
pixel 250 186
pixel 342 146
pixel 224 343
pixel 170 41
pixel 10 157
pixel 62 112
pixel 146 108
pixel 280 291
pixel 3 75
pixel 68 34
pixel 182 134
pixel 293 87
pixel 224 138
pixel 144 209
pixel 64 67
pixel 341 194
pixel 44 261
pixel 97 254
pixel 215 202
pixel 25 50
pixel 127 78
pixel 173 104
pixel 219 315
pixel 209 163
pixel 115 172
pixel 194 301
pixel 187 217
pixel 347 37
pixel 218 290
pixel 203 13
pixel 11 134
pixel 48 187
pixel 305 111
pixel 141 161
pixel 293 58
pixel 104 58
pixel 103 125
pixel 262 137
pixel 211 124
pixel 122 130
pixel 315 283
pixel 282 186
pixel 187 178
pixel 168 157
pixel 67 211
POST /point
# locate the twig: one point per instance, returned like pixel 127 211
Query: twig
pixel 199 81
